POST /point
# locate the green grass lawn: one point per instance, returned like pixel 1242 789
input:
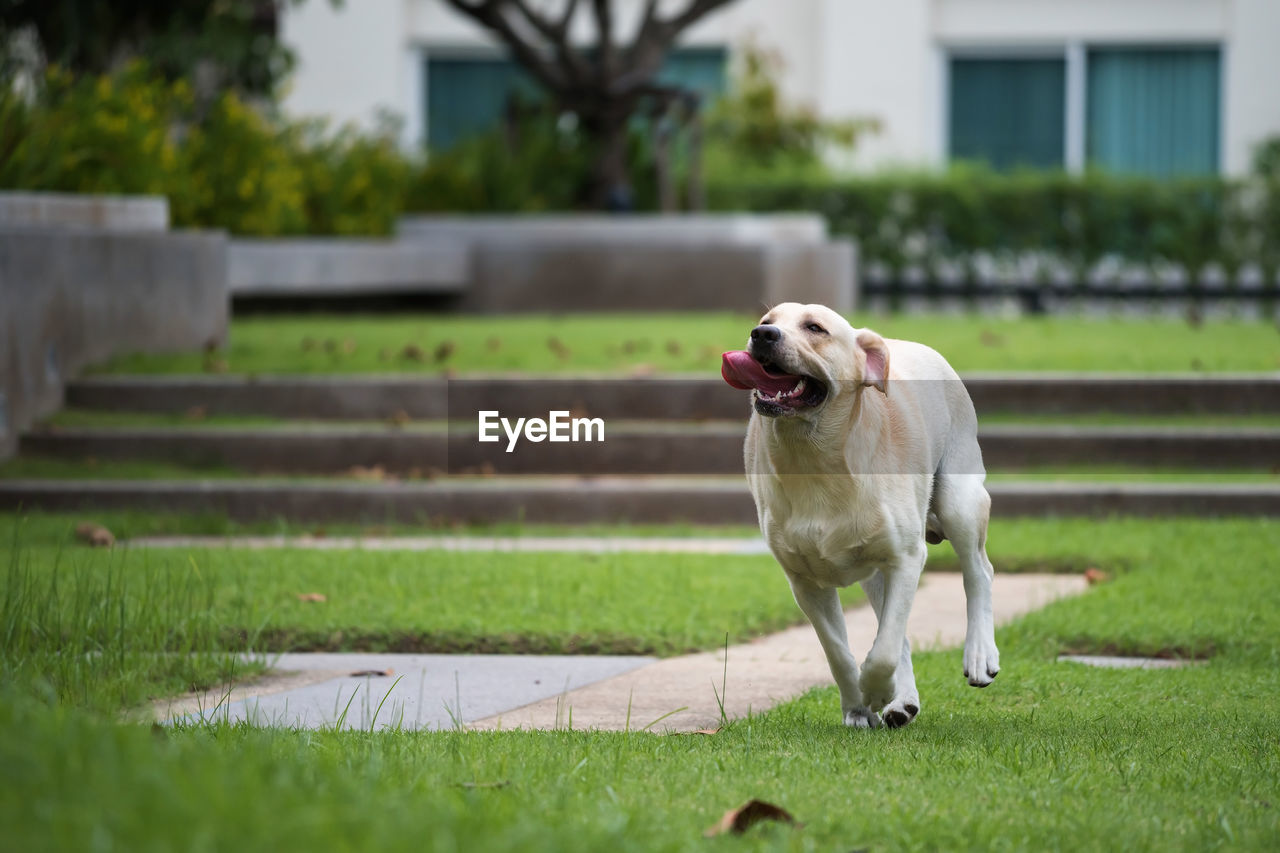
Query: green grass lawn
pixel 692 343
pixel 436 601
pixel 1052 756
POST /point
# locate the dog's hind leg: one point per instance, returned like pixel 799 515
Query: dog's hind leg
pixel 964 508
pixel 906 701
pixel 822 607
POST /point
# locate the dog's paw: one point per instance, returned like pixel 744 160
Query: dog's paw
pixel 878 685
pixel 861 718
pixel 899 712
pixel 981 662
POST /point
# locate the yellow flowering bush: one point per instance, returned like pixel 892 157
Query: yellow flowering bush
pixel 225 165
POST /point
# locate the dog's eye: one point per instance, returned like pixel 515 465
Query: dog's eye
pixel 816 329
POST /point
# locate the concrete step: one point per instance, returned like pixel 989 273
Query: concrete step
pixel 635 500
pixel 635 448
pixel 655 397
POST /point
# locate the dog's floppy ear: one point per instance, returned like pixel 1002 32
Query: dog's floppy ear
pixel 876 372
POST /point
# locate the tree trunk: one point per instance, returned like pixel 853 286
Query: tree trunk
pixel 609 185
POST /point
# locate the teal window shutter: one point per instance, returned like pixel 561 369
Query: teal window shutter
pixel 701 69
pixel 1008 112
pixel 466 96
pixel 469 96
pixel 1153 111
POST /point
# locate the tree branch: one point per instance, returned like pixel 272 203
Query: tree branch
pixel 557 34
pixel 604 23
pixel 489 14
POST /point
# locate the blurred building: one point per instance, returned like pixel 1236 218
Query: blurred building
pixel 1146 86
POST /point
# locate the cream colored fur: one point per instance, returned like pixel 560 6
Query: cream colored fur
pixel 846 492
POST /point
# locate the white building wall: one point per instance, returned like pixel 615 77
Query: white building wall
pixel 349 59
pixel 883 59
pixel 1252 80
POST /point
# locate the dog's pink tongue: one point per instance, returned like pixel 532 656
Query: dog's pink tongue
pixel 742 371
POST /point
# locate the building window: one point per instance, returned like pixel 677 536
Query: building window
pixel 1153 111
pixel 1133 110
pixel 1008 112
pixel 468 95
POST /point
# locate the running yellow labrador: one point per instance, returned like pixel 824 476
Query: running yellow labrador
pixel 859 450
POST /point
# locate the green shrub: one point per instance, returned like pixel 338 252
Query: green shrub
pixel 240 173
pixel 927 219
pixel 93 135
pixel 234 166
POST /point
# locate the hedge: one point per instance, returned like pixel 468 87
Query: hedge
pixel 966 221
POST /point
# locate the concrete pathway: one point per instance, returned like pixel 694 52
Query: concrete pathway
pixel 609 693
pixel 433 691
pixel 678 692
pixel 564 544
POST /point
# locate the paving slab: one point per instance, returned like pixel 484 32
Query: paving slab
pixel 679 694
pixel 434 691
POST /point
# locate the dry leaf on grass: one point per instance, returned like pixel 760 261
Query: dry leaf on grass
pixel 312 596
pixel 94 535
pixel 748 814
pixel 400 418
pixel 372 673
pixel 1094 576
pixel 443 351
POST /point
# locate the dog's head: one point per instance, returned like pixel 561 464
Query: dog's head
pixel 801 358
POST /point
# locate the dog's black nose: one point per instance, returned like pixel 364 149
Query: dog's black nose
pixel 766 335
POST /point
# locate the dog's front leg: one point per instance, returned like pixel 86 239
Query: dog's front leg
pixel 878 671
pixel 822 607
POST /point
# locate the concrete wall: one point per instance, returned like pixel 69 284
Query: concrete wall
pixel 645 263
pixel 110 212
pixel 847 58
pixel 72 297
pixel 342 266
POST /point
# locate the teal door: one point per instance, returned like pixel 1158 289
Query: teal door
pixel 1008 112
pixel 1154 111
pixel 468 96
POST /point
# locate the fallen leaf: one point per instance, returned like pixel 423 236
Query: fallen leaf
pixel 748 814
pixel 372 673
pixel 308 344
pixel 400 418
pixel 642 370
pixel 1094 576
pixel 375 473
pixel 557 346
pixel 413 352
pixel 991 339
pixel 196 413
pixel 216 365
pixel 349 346
pixel 318 597
pixel 673 348
pixel 443 351
pixel 94 535
pixel 493 344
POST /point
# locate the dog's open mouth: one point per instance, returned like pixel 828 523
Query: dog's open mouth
pixel 776 392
